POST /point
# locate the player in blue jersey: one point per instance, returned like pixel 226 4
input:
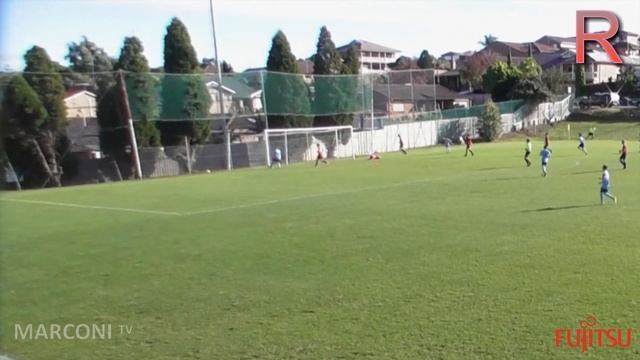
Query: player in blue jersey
pixel 545 155
pixel 605 183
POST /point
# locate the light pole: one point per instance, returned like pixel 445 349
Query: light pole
pixel 227 136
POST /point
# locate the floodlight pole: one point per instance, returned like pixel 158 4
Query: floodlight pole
pixel 227 135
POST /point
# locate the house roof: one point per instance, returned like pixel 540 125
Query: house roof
pixel 76 92
pixel 236 87
pixel 364 45
pixel 450 54
pixel 255 69
pixel 420 92
pixel 546 60
pixel 558 39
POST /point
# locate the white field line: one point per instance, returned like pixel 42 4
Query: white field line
pixel 234 207
pixel 94 207
pixel 306 197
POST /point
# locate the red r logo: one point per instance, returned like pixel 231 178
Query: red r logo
pixel 602 38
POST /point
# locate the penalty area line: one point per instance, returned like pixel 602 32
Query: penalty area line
pixel 93 207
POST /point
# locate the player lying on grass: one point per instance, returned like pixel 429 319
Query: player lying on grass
pixel 527 152
pixel 623 155
pixel 582 146
pixel 320 156
pixel 605 182
pixel 374 156
pixel 545 155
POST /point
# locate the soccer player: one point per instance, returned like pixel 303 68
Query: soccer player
pixel 623 155
pixel 545 155
pixel 527 152
pixel 546 140
pixel 277 158
pixel 447 144
pixel 374 156
pixel 320 156
pixel 468 142
pixel 402 145
pixel 605 182
pixel 592 133
pixel 582 145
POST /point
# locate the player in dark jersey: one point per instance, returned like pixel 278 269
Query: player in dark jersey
pixel 623 155
pixel 401 145
pixel 546 140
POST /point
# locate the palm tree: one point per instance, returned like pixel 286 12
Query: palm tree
pixel 488 39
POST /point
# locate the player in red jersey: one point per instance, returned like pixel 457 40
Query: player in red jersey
pixel 469 143
pixel 623 155
pixel 320 157
pixel 546 140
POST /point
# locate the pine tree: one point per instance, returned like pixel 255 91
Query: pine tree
pixel 329 90
pixel 184 95
pixel 94 63
pixel 285 90
pixel 509 58
pixel 41 74
pixel 490 124
pixel 141 90
pixel 425 61
pixel 22 117
pixel 580 78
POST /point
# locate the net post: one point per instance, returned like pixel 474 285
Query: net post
pixel 335 133
pixel 286 148
pixel 372 115
pixel 265 134
pixel 264 100
pixel 353 143
pixel 13 172
pixel 132 131
pixel 188 150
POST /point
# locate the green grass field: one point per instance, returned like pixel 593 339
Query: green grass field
pixel 425 256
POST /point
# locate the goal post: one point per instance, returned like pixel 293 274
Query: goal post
pixel 300 144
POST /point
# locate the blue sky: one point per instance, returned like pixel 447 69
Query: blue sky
pixel 245 27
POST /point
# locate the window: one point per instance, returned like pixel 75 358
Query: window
pixel 365 53
pixel 366 65
pixel 374 54
pixel 389 55
pixel 567 68
pixel 376 66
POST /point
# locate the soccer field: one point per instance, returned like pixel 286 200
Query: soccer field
pixel 425 256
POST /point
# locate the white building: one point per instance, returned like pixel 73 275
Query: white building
pixel 373 58
pixel 80 104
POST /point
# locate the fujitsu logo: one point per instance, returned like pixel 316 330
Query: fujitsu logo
pixel 588 336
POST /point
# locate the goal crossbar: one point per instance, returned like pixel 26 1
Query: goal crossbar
pixel 336 131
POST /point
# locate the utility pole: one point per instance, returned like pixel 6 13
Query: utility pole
pixel 227 135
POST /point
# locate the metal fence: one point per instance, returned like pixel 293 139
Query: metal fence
pixel 120 126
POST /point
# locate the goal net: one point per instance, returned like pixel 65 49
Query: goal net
pixel 301 144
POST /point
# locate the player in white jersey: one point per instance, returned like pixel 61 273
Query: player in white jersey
pixel 605 183
pixel 277 158
pixel 582 146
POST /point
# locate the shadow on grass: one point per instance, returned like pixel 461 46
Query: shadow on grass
pixel 557 208
pixel 586 172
